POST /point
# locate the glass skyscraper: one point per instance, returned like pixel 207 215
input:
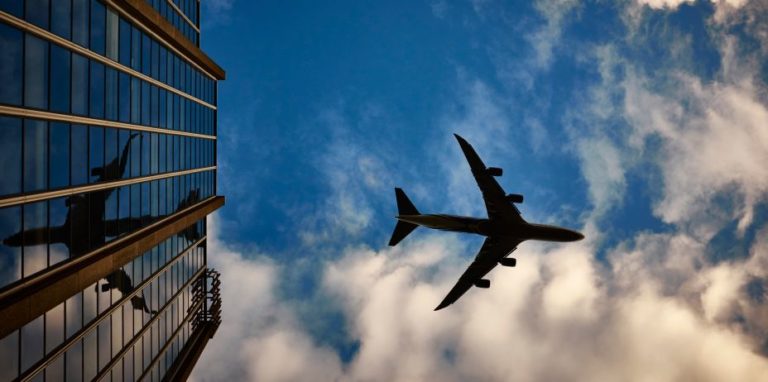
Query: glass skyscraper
pixel 107 174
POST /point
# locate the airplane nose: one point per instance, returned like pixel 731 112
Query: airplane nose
pixel 577 236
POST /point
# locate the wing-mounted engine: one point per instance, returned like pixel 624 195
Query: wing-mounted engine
pixel 515 198
pixel 494 171
pixel 483 283
pixel 508 262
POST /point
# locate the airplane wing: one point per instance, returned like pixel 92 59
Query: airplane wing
pixel 494 196
pixel 493 250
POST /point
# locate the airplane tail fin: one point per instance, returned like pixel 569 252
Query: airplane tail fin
pixel 404 207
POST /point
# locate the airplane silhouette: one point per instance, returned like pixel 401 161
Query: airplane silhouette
pixel 119 280
pixel 504 228
pixel 83 211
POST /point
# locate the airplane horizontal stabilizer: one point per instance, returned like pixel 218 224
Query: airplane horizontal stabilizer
pixel 404 207
pixel 402 229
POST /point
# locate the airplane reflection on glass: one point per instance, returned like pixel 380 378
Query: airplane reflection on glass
pixel 504 228
pixel 119 280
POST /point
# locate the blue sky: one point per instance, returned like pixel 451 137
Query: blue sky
pixel 642 123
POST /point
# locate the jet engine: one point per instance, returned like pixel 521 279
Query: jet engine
pixel 508 261
pixel 494 171
pixel 515 198
pixel 483 283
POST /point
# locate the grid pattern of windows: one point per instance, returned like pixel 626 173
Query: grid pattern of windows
pixel 189 8
pixel 38 235
pixel 116 328
pixel 92 25
pixel 58 80
pixel 39 155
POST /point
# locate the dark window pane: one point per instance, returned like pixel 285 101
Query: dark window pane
pixel 37 12
pixel 79 84
pixel 145 157
pixel 162 64
pixel 145 204
pixel 59 160
pixel 11 40
pixel 135 158
pixel 59 230
pixel 96 231
pixel 162 107
pixel 60 79
pixel 110 101
pixel 10 155
pixel 111 160
pixel 61 18
pixel 135 206
pixel 35 237
pixel 124 212
pixel 135 48
pixel 110 216
pixel 32 335
pixel 14 7
pixel 145 99
pixel 79 216
pixel 79 154
pixel 125 42
pixel 124 170
pixel 80 21
pixel 146 51
pixel 154 154
pixel 135 100
pixel 96 158
pixel 124 97
pixel 153 106
pixel 96 93
pixel 10 245
pixel 35 72
pixel 35 155
pixel 98 26
pixel 162 146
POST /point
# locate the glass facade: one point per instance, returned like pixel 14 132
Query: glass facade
pixel 107 132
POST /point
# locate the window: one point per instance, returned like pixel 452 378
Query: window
pixel 37 12
pixel 58 245
pixel 13 7
pixel 145 149
pixel 98 26
pixel 125 42
pixel 135 100
pixel 146 52
pixel 59 158
pixel 96 94
pixel 124 211
pixel 111 156
pixel 61 18
pixel 135 48
pixel 124 171
pixel 79 154
pixel 153 106
pixel 10 155
pixel 96 158
pixel 80 22
pixel 111 90
pixel 11 61
pixel 145 98
pixel 35 72
pixel 112 34
pixel 35 155
pixel 79 84
pixel 60 79
pixel 124 97
pixel 10 246
pixel 35 237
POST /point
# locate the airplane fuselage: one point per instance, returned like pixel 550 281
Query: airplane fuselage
pixel 488 227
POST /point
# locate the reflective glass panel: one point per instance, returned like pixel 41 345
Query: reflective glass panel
pixel 35 237
pixel 61 18
pixel 79 167
pixel 80 21
pixel 11 40
pixel 59 158
pixel 10 245
pixel 98 26
pixel 96 94
pixel 60 79
pixel 59 230
pixel 110 101
pixel 36 12
pixel 35 72
pixel 96 159
pixel 35 155
pixel 124 97
pixel 125 42
pixel 79 84
pixel 10 155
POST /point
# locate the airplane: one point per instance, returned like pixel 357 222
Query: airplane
pixel 504 228
pixel 119 280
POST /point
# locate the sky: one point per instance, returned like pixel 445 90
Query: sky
pixel 642 124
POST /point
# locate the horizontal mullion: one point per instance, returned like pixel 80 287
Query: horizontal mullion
pixel 61 349
pixel 41 114
pixel 21 199
pixel 31 28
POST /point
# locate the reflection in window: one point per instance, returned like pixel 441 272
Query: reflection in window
pixel 35 72
pixel 96 163
pixel 32 335
pixel 110 99
pixel 10 246
pixel 59 231
pixel 37 12
pixel 79 154
pixel 35 237
pixel 60 78
pixel 59 157
pixel 98 25
pixel 10 154
pixel 124 97
pixel 35 150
